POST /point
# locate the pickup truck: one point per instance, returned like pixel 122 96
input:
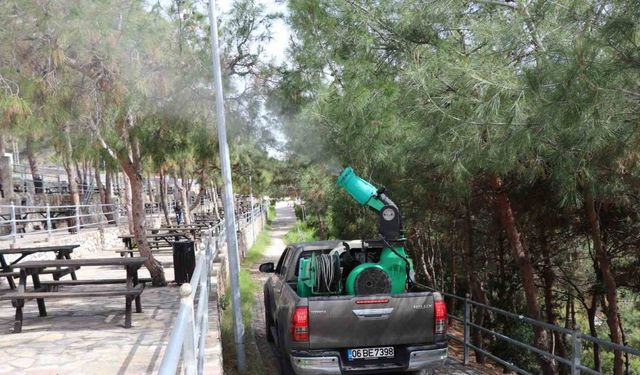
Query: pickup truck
pixel 350 334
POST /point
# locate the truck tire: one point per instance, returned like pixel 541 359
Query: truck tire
pixel 267 319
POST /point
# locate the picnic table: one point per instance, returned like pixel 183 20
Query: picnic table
pixel 61 252
pixel 49 289
pixel 129 241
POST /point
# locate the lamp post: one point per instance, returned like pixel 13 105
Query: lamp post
pixel 229 210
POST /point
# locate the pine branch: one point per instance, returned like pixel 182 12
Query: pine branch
pixel 511 5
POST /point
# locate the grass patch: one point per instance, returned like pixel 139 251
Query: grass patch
pixel 300 232
pixel 248 288
pixel 271 214
pixel 254 362
pixel 257 250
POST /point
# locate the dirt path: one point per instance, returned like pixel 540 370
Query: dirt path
pixel 285 218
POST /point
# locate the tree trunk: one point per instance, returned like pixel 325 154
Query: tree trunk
pixel 198 198
pixel 127 203
pixel 477 293
pixel 216 210
pixel 549 278
pixel 108 193
pixel 454 279
pixel 4 185
pixel 79 179
pixel 137 207
pixel 525 268
pixel 591 317
pixel 99 186
pixel 184 200
pixel 152 198
pixel 163 196
pixel 33 165
pixel 69 166
pixel 107 211
pixel 607 276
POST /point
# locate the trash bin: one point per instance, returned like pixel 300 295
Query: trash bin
pixel 38 185
pixel 184 261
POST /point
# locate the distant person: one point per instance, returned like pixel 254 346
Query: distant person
pixel 1 191
pixel 178 209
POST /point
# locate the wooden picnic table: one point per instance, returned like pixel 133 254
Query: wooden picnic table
pixel 49 289
pixel 61 251
pixel 129 241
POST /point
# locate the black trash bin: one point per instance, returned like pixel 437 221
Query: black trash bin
pixel 38 185
pixel 184 261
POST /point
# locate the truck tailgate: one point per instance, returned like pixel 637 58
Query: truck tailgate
pixel 367 321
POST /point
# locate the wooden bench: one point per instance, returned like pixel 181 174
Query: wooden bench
pixel 132 252
pixel 51 284
pixel 18 299
pixel 60 251
pixel 48 289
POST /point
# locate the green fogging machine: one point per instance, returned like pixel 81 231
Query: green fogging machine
pixel 379 266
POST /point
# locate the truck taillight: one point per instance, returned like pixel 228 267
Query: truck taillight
pixel 300 324
pixel 440 318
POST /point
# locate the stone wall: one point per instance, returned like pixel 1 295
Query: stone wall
pixel 245 241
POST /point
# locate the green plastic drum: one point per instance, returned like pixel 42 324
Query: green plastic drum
pixel 394 269
pixel 360 190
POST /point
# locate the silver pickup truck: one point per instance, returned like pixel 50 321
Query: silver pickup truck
pixel 350 334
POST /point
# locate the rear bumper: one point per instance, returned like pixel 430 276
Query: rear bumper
pixel 331 362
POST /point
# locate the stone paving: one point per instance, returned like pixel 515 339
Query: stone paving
pixel 87 335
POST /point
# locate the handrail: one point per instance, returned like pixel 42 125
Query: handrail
pixel 75 217
pixel 577 337
pixel 188 338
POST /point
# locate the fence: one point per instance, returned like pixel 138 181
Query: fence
pixel 14 220
pixel 188 338
pixel 574 362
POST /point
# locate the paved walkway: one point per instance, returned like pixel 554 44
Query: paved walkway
pixel 87 336
pixel 285 218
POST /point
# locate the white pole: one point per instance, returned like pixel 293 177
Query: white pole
pixel 48 222
pixel 14 229
pixel 77 219
pixel 229 210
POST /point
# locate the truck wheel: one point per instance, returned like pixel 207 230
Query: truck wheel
pixel 267 321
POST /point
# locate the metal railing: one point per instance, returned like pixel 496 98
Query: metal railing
pixel 54 219
pixel 188 338
pixel 573 362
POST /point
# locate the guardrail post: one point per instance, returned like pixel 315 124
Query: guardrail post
pixel 99 214
pixel 189 344
pixel 14 229
pixel 253 226
pixel 467 318
pixel 576 353
pixel 203 319
pixel 48 222
pixel 77 219
pixel 116 209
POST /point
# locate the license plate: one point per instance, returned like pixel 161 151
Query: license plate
pixel 370 353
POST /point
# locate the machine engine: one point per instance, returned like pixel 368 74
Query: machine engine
pixel 379 266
